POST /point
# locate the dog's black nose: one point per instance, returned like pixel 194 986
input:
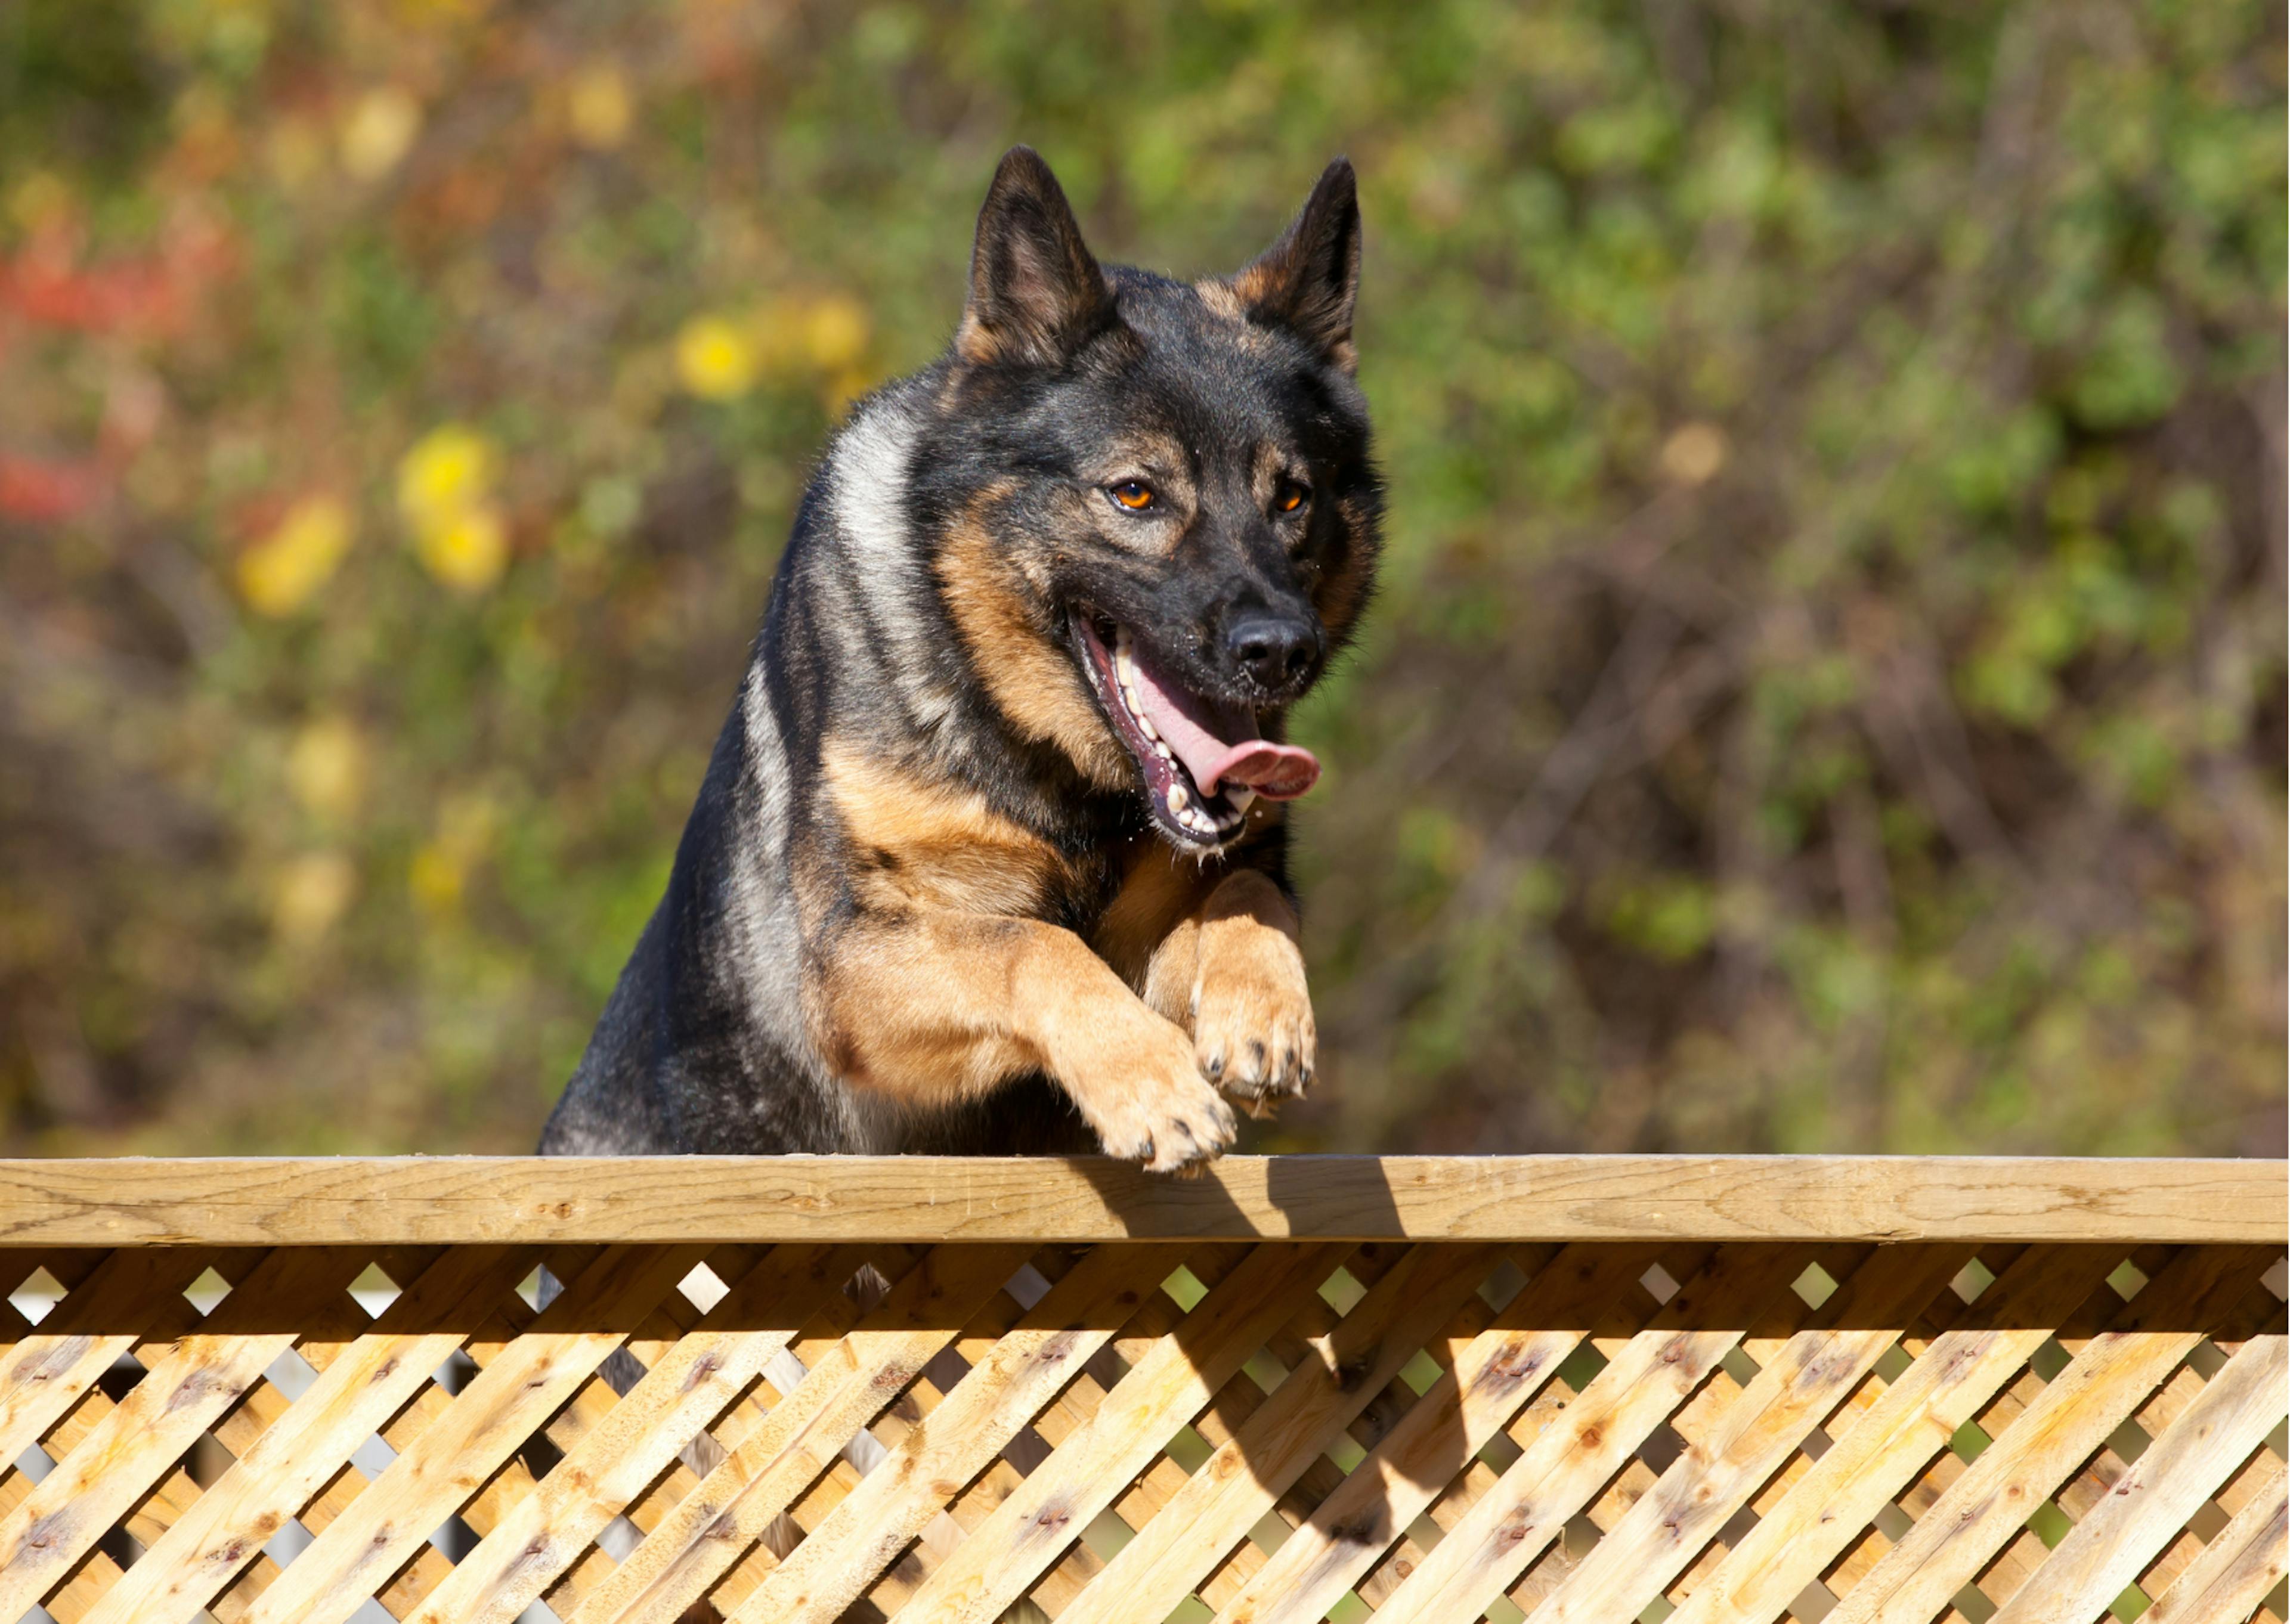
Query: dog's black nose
pixel 1275 649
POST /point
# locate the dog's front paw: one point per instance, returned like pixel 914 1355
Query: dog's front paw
pixel 1253 1030
pixel 1143 1094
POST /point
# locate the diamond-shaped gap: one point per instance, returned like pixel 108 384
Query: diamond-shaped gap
pixel 2128 1279
pixel 120 1376
pixel 1500 1452
pixel 36 1463
pixel 207 1460
pixel 1579 1368
pixel 1027 1286
pixel 1188 1450
pixel 1184 1288
pixel 1342 1291
pixel 1813 1603
pixel 1421 1373
pixel 206 1291
pixel 374 1290
pixel 2129 1440
pixel 1659 1283
pixel 2131 1603
pixel 453 1539
pixel 1973 1278
pixel 1815 1285
pixel 1661 1447
pixel 539 1288
pixel 36 1297
pixel 1739 1365
pixel 1893 1364
pixel 1973 1603
pixel 1503 1285
pixel 2277 1280
pixel 1893 1522
pixel 291 1373
pixel 1026 1451
pixel 1265 1370
pixel 2050 1359
pixel 703 1288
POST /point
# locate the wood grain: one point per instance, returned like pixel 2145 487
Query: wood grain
pixel 298 1200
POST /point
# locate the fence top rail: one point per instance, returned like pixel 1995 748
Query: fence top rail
pixel 399 1200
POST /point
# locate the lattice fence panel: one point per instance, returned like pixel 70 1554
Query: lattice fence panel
pixel 1282 1430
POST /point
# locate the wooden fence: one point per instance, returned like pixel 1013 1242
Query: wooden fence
pixel 1611 1388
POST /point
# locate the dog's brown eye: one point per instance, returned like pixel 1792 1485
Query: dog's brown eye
pixel 1292 496
pixel 1134 494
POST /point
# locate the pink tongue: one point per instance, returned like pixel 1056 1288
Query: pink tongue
pixel 1218 743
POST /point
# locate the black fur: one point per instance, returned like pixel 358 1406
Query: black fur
pixel 718 1037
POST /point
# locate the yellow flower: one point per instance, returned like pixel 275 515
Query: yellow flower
pixel 714 358
pixel 314 891
pixel 835 332
pixel 326 767
pixel 449 471
pixel 278 573
pixel 599 108
pixel 467 552
pixel 379 131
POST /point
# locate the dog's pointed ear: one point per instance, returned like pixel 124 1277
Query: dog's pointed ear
pixel 1309 281
pixel 1035 294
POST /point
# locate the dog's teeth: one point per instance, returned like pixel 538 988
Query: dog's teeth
pixel 1177 799
pixel 1144 723
pixel 1162 749
pixel 1242 797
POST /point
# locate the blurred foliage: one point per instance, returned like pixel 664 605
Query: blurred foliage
pixel 1827 689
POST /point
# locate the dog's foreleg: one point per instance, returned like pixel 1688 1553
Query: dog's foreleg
pixel 1232 975
pixel 931 1005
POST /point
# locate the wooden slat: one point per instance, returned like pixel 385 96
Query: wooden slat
pixel 1799 1383
pixel 1033 1528
pixel 1531 1503
pixel 849 1383
pixel 486 1423
pixel 497 1200
pixel 279 1472
pixel 99 1320
pixel 1303 1417
pixel 1490 1379
pixel 2180 1469
pixel 684 1389
pixel 2244 1561
pixel 846 1550
pixel 1842 1492
pixel 1974 1517
pixel 140 1441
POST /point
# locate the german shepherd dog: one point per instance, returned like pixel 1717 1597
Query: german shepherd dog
pixel 990 856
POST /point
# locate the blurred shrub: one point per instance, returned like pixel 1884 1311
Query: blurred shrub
pixel 1828 691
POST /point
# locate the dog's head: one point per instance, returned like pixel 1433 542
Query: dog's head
pixel 1160 507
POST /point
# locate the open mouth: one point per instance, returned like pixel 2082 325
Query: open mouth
pixel 1203 762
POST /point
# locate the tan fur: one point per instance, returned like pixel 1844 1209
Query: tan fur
pixel 1341 595
pixel 1032 681
pixel 1232 975
pixel 1159 892
pixel 976 342
pixel 1219 296
pixel 935 1006
pixel 928 844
